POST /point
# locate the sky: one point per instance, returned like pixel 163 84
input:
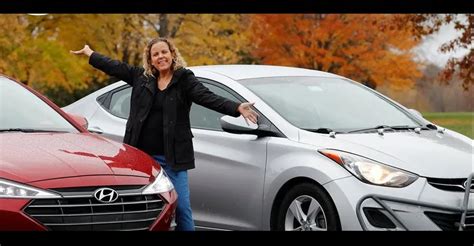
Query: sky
pixel 428 50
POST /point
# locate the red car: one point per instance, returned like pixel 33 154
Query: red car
pixel 54 175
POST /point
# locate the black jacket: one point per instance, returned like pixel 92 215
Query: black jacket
pixel 184 88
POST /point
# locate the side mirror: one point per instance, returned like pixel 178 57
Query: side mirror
pixel 415 112
pixel 237 125
pixel 82 121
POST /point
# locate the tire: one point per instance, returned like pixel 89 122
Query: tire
pixel 303 200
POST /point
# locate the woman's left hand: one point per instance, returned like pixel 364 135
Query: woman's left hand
pixel 247 112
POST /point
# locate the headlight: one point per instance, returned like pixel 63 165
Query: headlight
pixel 161 184
pixel 9 189
pixel 370 171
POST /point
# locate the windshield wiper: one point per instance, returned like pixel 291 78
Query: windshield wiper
pixel 321 130
pixel 371 128
pixel 431 126
pixel 26 130
pixel 394 128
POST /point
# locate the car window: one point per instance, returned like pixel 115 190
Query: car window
pixel 316 102
pixel 204 118
pixel 120 103
pixel 21 109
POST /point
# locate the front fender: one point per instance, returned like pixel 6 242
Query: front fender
pixel 288 160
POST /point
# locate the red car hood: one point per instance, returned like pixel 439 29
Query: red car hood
pixel 29 157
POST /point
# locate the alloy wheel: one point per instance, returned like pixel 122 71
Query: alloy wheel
pixel 305 214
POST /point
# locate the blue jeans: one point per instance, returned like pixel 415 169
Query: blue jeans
pixel 184 217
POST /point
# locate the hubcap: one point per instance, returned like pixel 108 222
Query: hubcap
pixel 305 214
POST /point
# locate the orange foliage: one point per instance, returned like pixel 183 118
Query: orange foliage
pixel 366 48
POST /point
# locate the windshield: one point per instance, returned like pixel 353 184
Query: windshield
pixel 332 103
pixel 21 109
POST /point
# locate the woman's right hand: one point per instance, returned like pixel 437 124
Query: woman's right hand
pixel 86 51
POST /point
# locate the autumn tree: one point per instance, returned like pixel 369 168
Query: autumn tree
pixel 35 49
pixel 362 47
pixel 39 54
pixel 119 36
pixel 206 39
pixel 163 25
pixel 34 59
pixel 201 38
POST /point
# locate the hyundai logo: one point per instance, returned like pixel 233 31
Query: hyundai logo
pixel 465 186
pixel 106 195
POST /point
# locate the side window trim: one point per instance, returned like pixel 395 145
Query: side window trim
pixel 262 119
pixel 105 99
pixel 210 84
pixel 223 87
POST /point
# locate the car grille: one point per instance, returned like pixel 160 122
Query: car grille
pixel 130 212
pixel 94 188
pixel 456 185
pixel 451 221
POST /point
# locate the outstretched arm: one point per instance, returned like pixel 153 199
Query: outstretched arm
pixel 115 68
pixel 203 96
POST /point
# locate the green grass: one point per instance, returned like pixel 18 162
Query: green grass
pixel 462 122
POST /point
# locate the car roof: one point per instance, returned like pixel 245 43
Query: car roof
pixel 238 72
pixel 243 71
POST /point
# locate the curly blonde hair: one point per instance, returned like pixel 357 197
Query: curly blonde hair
pixel 178 61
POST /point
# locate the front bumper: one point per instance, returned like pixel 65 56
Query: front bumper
pixel 13 219
pixel 44 214
pixel 418 206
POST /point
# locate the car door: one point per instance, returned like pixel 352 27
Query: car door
pixel 227 184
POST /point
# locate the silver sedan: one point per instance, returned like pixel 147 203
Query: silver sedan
pixel 327 154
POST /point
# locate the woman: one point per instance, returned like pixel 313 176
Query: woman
pixel 162 94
